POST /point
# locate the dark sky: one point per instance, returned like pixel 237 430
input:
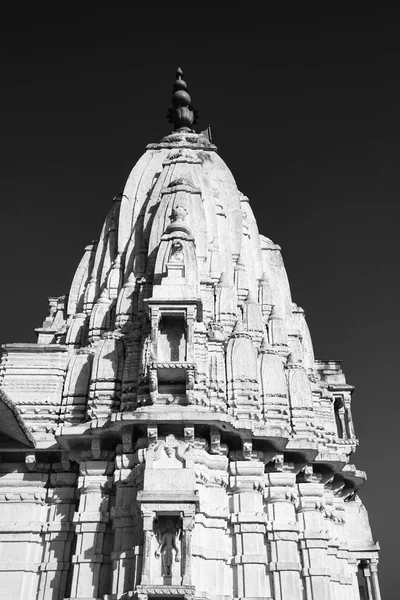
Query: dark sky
pixel 304 108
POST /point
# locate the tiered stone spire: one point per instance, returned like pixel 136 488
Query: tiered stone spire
pixel 174 395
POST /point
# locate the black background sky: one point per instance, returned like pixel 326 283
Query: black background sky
pixel 304 108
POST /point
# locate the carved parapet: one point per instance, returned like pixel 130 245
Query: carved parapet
pixel 176 591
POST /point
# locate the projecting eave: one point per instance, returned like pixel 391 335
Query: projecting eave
pixel 13 430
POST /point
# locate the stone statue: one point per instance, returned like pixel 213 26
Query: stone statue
pixel 168 543
pixel 176 255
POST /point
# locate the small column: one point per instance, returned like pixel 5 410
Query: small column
pixel 371 580
pixel 190 321
pixel 131 372
pixel 190 381
pixel 353 567
pixel 188 526
pixel 367 575
pixel 375 580
pixel 148 521
pixel 349 418
pixel 216 368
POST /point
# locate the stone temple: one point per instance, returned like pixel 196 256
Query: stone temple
pixel 170 434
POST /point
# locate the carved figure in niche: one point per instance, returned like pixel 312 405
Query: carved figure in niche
pixel 176 255
pixel 168 541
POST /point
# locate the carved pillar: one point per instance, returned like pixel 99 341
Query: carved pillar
pixel 90 578
pixel 58 534
pixel 201 361
pixel 190 380
pixel 153 383
pixel 344 570
pixel 188 525
pixel 128 537
pixel 314 538
pixel 131 372
pixel 216 368
pixel 334 555
pixel 349 418
pixel 342 420
pixel 282 534
pixel 190 321
pixel 155 320
pixel 247 518
pixel 369 569
pixel 367 577
pixel 353 567
pixel 148 520
pixel 375 580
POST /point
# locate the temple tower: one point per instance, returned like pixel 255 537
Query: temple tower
pixel 171 433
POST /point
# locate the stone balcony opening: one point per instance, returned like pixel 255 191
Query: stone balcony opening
pixel 172 338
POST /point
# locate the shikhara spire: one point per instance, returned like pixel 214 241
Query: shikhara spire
pixel 171 433
pixel 182 114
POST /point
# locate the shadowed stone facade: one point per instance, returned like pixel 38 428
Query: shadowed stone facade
pixel 171 433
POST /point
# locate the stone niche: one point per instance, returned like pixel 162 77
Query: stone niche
pixel 168 502
pixel 172 371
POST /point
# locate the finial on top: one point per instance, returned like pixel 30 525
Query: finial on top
pixel 182 114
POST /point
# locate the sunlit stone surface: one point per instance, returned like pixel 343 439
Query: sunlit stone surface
pixel 171 433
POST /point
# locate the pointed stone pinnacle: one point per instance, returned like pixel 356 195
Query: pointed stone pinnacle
pixel 182 115
pixel 275 313
pixel 224 280
pixel 293 358
pixel 104 296
pixel 251 298
pixel 238 326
